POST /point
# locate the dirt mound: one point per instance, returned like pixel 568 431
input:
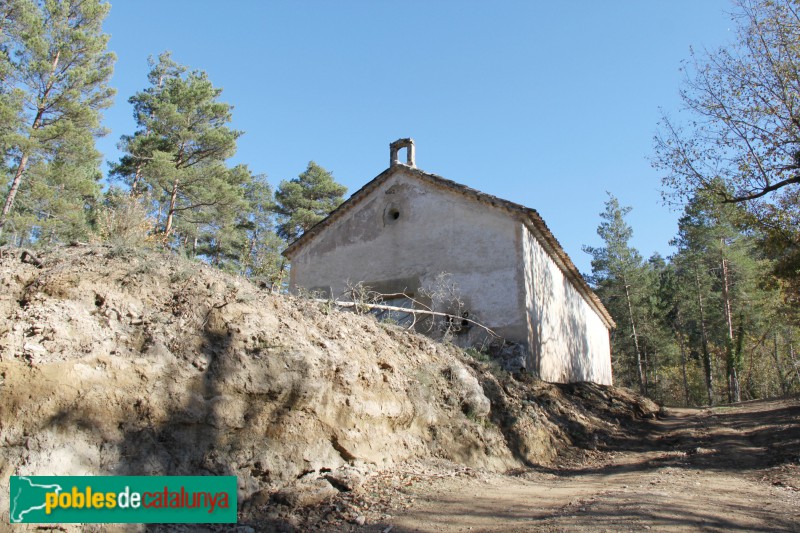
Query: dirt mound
pixel 122 362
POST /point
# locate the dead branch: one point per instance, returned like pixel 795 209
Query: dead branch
pixel 412 311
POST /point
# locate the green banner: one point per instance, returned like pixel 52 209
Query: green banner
pixel 123 499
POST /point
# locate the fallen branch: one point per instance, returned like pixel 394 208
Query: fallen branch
pixel 411 311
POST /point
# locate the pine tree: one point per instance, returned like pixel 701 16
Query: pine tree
pixel 55 69
pixel 676 325
pixel 57 201
pixel 221 230
pixel 659 349
pixel 140 146
pixel 717 258
pixel 11 104
pixel 178 155
pixel 618 277
pixel 305 200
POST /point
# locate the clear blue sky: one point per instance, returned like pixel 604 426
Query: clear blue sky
pixel 545 103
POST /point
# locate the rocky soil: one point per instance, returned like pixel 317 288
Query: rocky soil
pixel 116 361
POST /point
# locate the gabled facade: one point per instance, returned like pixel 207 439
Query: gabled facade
pixel 405 227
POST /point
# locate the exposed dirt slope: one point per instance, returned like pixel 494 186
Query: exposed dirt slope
pixel 117 362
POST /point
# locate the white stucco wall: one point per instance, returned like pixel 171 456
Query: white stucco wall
pixel 567 339
pixel 506 279
pixel 436 231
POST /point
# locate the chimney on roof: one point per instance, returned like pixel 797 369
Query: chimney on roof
pixel 396 146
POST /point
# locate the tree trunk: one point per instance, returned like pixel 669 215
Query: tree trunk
pixel 795 363
pixel 683 369
pixel 779 368
pixel 12 192
pixel 642 385
pixel 136 178
pixel 734 392
pixel 23 162
pixel 173 200
pixel 704 335
pixel 677 327
pixel 171 212
pixel 654 389
pixel 737 358
pixel 276 287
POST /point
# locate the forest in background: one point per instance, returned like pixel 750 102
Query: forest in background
pixel 174 187
pixel 715 322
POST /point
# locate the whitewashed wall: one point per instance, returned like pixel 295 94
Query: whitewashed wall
pixel 506 279
pixel 436 231
pixel 567 339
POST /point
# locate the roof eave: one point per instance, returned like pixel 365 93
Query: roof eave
pixel 354 199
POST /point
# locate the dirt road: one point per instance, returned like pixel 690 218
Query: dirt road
pixel 733 468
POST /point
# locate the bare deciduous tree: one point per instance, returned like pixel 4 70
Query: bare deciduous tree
pixel 740 135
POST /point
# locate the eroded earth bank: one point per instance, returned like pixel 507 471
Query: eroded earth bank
pixel 116 361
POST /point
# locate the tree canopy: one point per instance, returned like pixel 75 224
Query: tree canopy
pixel 181 144
pixel 305 200
pixel 54 73
pixel 743 141
pixel 617 274
pixel 708 323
